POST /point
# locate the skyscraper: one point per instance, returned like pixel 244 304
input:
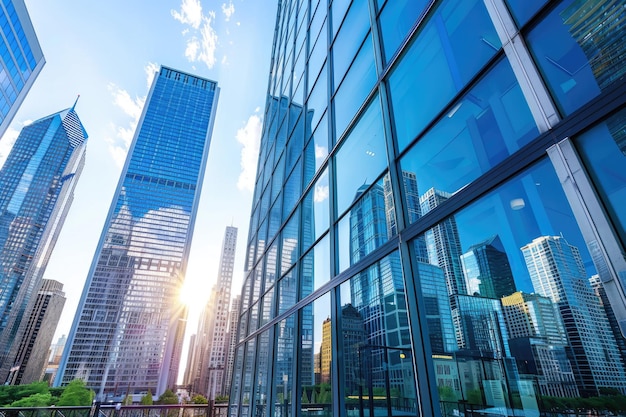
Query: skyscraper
pixel 21 59
pixel 129 318
pixel 34 342
pixel 449 122
pixel 557 272
pixel 210 347
pixel 37 185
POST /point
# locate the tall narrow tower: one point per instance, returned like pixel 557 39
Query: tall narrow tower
pixel 211 344
pixel 128 320
pixel 37 185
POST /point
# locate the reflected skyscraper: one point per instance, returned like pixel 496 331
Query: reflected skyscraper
pixel 487 271
pixel 129 318
pixel 557 272
pixel 21 59
pixel 37 185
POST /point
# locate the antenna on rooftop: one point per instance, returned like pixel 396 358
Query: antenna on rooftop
pixel 75 102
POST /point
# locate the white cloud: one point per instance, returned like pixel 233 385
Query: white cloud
pixel 132 107
pixel 7 142
pixel 321 193
pixel 201 37
pixel 228 10
pixel 224 60
pixel 250 137
pixel 190 13
pixel 208 42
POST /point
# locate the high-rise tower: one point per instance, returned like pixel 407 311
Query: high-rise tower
pixel 21 59
pixel 37 185
pixel 211 344
pixel 128 320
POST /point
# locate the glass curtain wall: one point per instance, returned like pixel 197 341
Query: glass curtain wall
pixel 440 194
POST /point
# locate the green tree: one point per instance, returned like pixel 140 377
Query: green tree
pixel 199 399
pixel 147 399
pixel 76 393
pixel 168 397
pixel 221 399
pixel 35 400
pixel 11 393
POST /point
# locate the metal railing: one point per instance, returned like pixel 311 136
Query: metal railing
pixel 113 410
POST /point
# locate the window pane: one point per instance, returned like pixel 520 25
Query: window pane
pixel 362 156
pixel 396 20
pixel 484 127
pixel 603 149
pixel 455 43
pixel 318 101
pixel 314 388
pixel 284 366
pixel 315 211
pixel 376 342
pixel 355 87
pixel 352 32
pixel 523 10
pixel 291 242
pixel 507 290
pixel 580 49
pixel 368 224
pixel 315 267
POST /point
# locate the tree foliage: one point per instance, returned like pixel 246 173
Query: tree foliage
pixel 168 397
pixel 76 394
pixel 147 399
pixel 34 400
pixel 12 393
pixel 199 399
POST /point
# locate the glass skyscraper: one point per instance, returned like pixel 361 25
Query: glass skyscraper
pixel 414 155
pixel 21 58
pixel 126 334
pixel 37 185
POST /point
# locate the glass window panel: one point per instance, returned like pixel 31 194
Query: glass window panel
pixel 314 389
pixel 315 211
pixel 362 156
pixel 315 267
pixel 523 10
pixel 453 46
pixel 506 287
pixel 267 303
pixel 396 20
pixel 355 87
pixel 284 378
pixel 318 57
pixel 235 388
pixel 248 378
pixel 275 219
pixel 376 342
pixel 483 128
pixel 338 8
pixel 287 291
pixel 291 242
pixel 270 264
pixel 368 224
pixel 262 373
pixel 603 149
pixel 293 189
pixel 318 100
pixel 580 49
pixel 317 149
pixel 349 38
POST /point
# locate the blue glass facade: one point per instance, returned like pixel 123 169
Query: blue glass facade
pixel 37 184
pixel 21 58
pixel 128 320
pixel 451 164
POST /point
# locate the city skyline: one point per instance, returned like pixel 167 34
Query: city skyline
pixel 113 85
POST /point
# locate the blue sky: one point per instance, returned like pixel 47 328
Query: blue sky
pixel 107 52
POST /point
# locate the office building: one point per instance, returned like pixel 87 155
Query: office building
pixel 37 185
pixel 21 59
pixel 128 325
pixel 449 122
pixel 557 272
pixel 232 342
pixel 210 346
pixel 43 316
